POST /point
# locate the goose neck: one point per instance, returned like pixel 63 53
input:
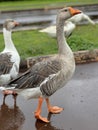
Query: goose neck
pixel 8 40
pixel 63 47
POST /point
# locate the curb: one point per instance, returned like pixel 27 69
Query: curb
pixel 86 56
pixel 81 57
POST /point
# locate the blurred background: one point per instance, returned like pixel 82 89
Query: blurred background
pixel 34 15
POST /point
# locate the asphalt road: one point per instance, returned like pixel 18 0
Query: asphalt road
pixel 79 99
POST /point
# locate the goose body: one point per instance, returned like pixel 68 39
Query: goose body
pixel 69 26
pixel 9 57
pixel 44 78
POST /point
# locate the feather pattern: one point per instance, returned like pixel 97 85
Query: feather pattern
pixel 9 57
pixel 37 74
pixel 5 63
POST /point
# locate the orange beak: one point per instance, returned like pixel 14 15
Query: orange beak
pixel 16 23
pixel 74 11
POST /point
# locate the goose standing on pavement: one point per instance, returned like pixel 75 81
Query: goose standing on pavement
pixel 9 57
pixel 69 26
pixel 44 78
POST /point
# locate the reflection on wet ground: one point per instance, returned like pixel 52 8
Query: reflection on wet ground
pixel 43 126
pixel 11 118
pixel 79 99
pixel 14 118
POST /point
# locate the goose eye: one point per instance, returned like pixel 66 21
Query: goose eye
pixel 65 10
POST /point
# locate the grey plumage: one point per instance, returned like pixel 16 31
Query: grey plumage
pixel 51 74
pixel 5 63
pixel 37 74
pixel 7 25
pixel 47 76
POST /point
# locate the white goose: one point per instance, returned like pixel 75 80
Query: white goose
pixel 9 57
pixel 46 77
pixel 80 18
pixel 69 26
pixel 68 29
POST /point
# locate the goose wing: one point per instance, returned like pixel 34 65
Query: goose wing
pixel 5 63
pixel 36 74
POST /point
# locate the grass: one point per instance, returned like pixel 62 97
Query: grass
pixel 33 43
pixel 84 38
pixel 21 5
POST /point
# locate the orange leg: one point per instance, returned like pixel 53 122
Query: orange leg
pixel 7 92
pixel 4 98
pixel 38 111
pixel 53 109
pixel 14 94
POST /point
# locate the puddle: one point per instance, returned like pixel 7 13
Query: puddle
pixel 79 99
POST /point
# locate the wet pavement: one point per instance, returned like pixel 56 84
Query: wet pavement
pixel 79 99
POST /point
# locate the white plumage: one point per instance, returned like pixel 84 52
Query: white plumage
pixel 70 25
pixel 76 19
pixel 9 57
pixel 68 29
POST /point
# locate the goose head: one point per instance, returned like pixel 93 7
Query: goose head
pixel 9 24
pixel 67 12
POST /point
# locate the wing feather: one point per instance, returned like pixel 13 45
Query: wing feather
pixel 5 63
pixel 37 74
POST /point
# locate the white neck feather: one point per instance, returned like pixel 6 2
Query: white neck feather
pixel 8 40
